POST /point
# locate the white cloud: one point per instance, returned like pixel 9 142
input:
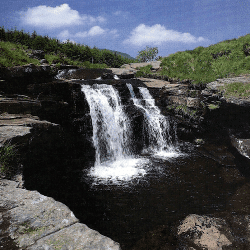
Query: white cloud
pixel 94 31
pixel 54 17
pixel 158 34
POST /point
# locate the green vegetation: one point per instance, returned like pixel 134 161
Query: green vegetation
pixel 144 71
pixel 7 160
pixel 237 89
pixel 14 54
pixel 202 65
pixel 213 106
pixel 183 111
pixel 225 59
pixel 56 51
pixel 148 54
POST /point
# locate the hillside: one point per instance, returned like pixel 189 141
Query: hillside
pixel 17 45
pixel 206 64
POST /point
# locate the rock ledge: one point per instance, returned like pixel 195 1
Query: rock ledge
pixel 39 222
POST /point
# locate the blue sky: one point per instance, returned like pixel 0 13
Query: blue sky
pixel 129 26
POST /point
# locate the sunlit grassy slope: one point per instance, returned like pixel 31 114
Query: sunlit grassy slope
pixel 224 59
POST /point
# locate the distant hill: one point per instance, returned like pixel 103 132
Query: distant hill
pixel 121 54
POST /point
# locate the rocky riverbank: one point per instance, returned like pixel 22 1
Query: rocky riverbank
pixel 47 120
pixel 30 220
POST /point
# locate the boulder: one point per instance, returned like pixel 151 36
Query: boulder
pixel 44 61
pixel 242 145
pixel 203 231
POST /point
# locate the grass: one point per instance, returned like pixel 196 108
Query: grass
pixel 143 71
pixel 8 155
pixel 63 59
pixel 237 89
pixel 213 106
pixel 12 54
pixel 206 64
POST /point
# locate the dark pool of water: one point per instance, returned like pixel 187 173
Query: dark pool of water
pixel 171 189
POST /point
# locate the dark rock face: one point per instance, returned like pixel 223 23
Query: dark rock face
pixel 84 74
pixel 37 54
pixel 17 78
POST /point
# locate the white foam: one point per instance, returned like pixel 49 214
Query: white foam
pixel 167 154
pixel 120 170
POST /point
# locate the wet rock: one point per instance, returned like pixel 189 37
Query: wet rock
pixel 19 105
pixel 40 222
pixel 82 74
pixel 193 102
pixel 17 78
pixel 231 175
pixel 44 61
pixel 204 232
pixel 242 145
pixel 239 203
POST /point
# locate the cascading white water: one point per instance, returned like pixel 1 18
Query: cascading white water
pixel 110 124
pixel 157 126
pixel 111 135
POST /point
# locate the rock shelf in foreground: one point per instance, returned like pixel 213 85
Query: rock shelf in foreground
pixel 39 222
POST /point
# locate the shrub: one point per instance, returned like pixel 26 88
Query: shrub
pixel 147 55
pixel 8 155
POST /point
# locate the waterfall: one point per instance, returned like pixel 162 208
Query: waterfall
pixel 111 137
pixel 156 125
pixel 112 134
pixel 111 131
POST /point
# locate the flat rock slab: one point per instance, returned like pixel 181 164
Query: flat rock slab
pixel 17 126
pixel 39 222
pixel 77 236
pixel 155 65
pixel 155 83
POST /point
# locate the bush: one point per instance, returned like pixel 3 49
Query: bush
pixel 8 160
pixel 147 55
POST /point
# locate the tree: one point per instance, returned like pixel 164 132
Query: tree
pixel 148 54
